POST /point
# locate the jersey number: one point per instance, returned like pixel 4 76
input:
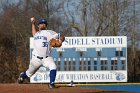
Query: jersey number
pixel 45 44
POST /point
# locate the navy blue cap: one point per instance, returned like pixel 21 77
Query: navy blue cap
pixel 41 21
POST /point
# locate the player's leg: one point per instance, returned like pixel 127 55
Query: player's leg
pixel 33 67
pixel 49 62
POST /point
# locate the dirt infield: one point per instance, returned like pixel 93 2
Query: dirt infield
pixel 43 88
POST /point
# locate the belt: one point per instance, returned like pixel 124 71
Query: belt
pixel 40 57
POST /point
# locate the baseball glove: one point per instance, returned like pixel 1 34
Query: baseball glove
pixel 55 43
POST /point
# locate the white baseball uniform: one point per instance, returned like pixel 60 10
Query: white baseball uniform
pixel 41 51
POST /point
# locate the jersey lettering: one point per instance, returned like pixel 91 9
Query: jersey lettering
pixel 40 37
pixel 45 44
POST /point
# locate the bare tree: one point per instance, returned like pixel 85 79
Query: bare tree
pixel 16 31
pixel 76 15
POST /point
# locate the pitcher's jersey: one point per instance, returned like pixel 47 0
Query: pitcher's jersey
pixel 41 42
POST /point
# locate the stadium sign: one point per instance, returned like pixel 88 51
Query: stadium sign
pixel 90 42
pixel 87 59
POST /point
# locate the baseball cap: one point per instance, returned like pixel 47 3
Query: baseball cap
pixel 41 21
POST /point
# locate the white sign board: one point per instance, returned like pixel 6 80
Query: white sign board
pixel 81 76
pixel 92 42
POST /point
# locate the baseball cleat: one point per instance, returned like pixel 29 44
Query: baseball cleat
pixel 51 86
pixel 20 79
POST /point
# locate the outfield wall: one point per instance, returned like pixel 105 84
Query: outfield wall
pixel 87 59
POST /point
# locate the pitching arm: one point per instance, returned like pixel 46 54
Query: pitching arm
pixel 33 26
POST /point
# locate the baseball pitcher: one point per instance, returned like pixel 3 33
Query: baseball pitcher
pixel 44 41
